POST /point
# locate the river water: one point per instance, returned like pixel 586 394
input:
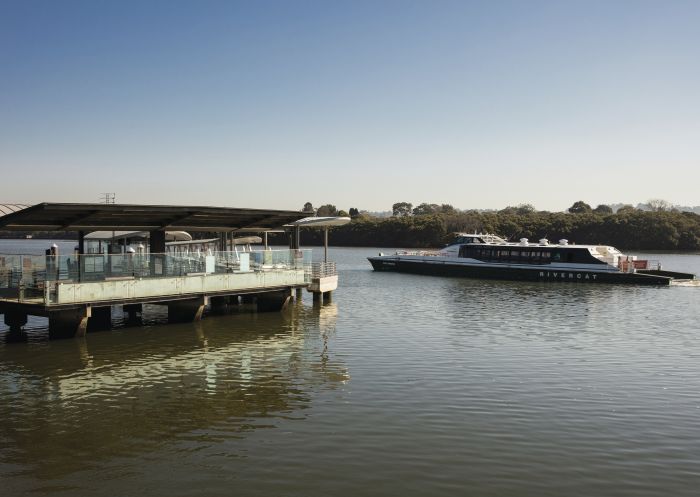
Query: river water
pixel 404 385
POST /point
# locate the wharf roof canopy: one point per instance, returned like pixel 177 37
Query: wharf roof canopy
pixel 8 208
pixel 91 217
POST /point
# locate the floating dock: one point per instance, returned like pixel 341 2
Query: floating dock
pixel 77 291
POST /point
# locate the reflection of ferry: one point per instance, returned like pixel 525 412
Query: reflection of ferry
pixel 489 256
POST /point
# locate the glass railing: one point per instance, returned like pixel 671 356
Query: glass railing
pixel 28 276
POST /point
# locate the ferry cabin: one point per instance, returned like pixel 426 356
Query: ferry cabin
pixel 531 255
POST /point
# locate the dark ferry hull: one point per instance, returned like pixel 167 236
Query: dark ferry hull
pixel 444 268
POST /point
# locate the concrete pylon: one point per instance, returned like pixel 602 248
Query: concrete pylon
pixel 15 320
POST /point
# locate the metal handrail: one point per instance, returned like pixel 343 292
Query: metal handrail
pixel 323 269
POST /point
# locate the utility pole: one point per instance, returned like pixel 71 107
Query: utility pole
pixel 108 198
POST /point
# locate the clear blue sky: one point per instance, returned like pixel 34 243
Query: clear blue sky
pixel 360 104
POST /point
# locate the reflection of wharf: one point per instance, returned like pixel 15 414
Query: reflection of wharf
pixel 127 396
pixel 77 291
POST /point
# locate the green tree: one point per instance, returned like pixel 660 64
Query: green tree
pixel 401 209
pixel 580 207
pixel 603 209
pixel 523 209
pixel 520 210
pixel 308 207
pixel 626 208
pixel 425 209
pixel 354 212
pixel 327 210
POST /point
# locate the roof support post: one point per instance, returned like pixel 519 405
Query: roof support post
pixel 157 242
pixel 81 242
pixel 325 244
pixel 157 246
pixel 296 238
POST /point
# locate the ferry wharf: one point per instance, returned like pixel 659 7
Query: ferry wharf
pixel 78 291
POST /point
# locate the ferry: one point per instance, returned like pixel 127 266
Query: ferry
pixel 490 256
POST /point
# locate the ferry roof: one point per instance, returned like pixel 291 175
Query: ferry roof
pixel 524 242
pixel 127 217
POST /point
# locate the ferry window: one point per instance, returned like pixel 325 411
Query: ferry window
pixel 556 256
pixel 570 257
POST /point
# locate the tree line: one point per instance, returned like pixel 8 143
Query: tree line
pixel 432 225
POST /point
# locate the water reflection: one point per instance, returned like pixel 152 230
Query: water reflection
pixel 559 312
pixel 69 405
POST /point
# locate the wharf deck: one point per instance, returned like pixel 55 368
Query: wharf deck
pixel 70 289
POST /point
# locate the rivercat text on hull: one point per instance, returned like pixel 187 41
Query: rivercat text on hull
pixel 489 256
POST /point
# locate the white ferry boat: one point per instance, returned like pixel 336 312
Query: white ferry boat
pixel 490 256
